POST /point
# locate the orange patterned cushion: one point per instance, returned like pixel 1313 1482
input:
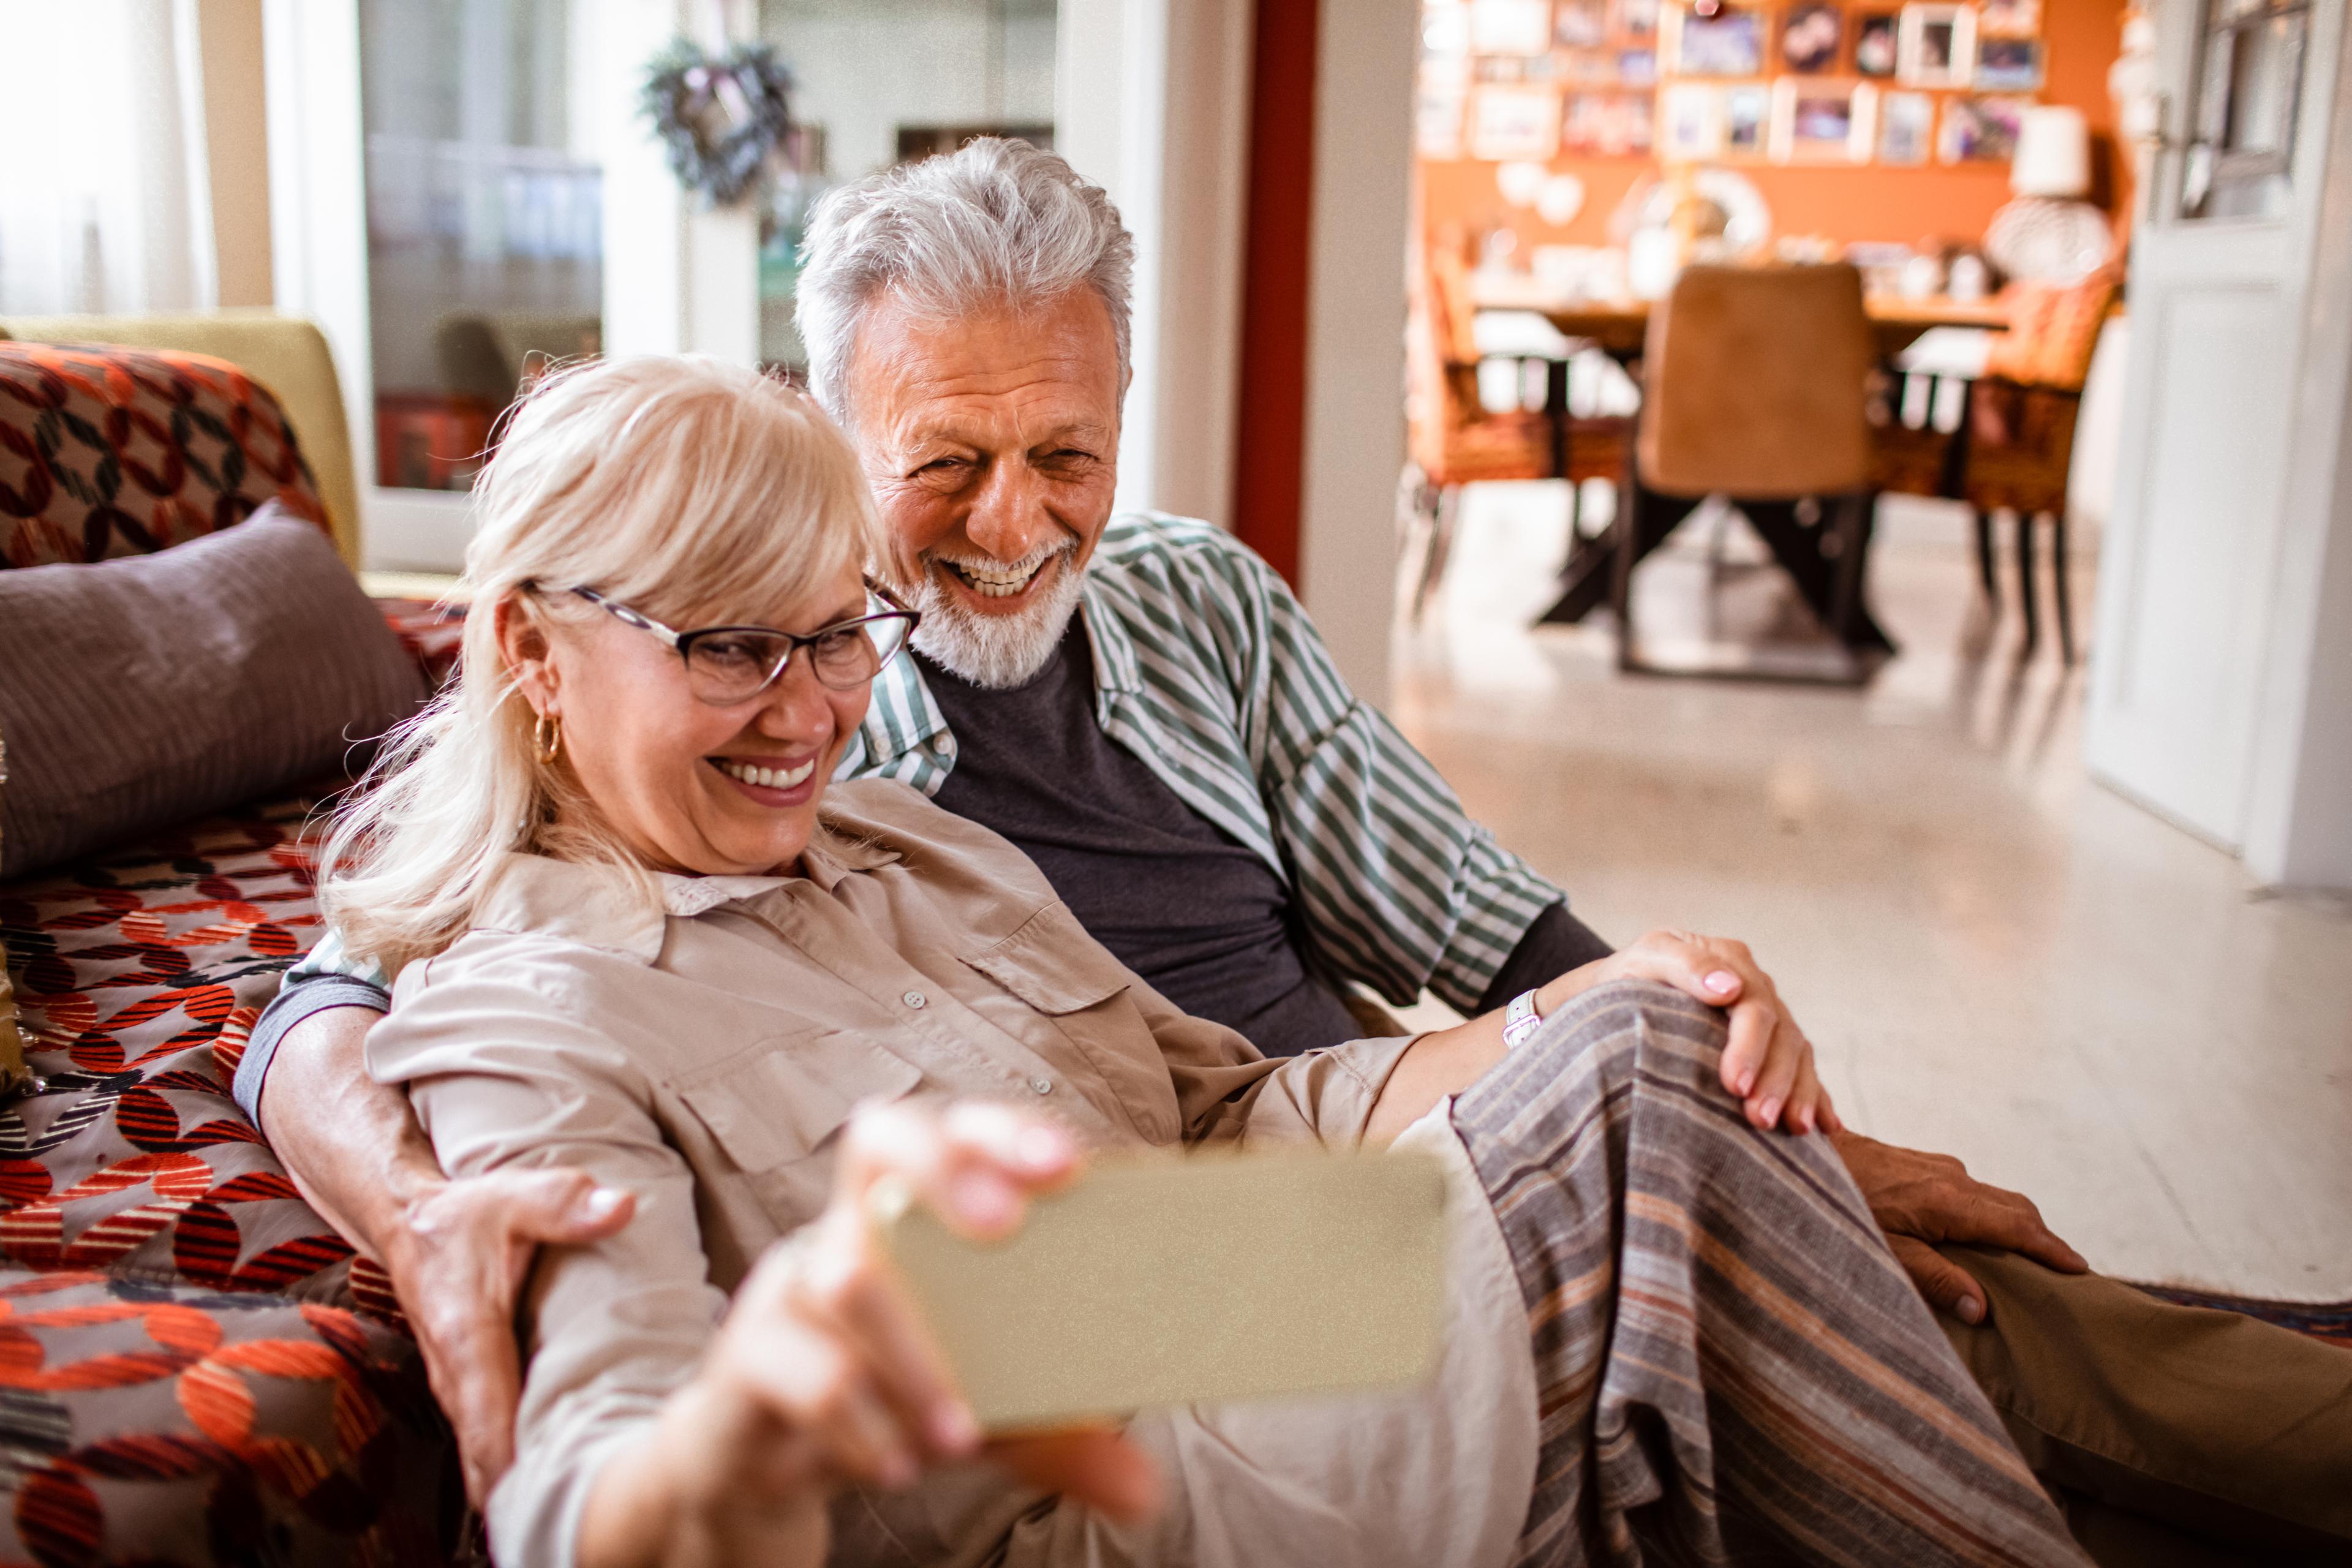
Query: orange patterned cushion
pixel 113 451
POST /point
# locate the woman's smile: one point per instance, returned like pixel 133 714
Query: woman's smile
pixel 776 782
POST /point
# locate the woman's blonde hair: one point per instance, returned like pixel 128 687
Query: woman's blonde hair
pixel 680 486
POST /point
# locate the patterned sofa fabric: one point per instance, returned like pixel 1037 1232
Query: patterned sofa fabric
pixel 151 1424
pixel 114 451
pixel 193 1368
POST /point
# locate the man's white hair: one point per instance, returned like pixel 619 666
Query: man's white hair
pixel 998 221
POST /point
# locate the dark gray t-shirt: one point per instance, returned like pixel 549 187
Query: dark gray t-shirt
pixel 1178 900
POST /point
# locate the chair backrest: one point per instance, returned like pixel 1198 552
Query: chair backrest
pixel 1753 380
pixel 287 355
pixel 2053 329
pixel 107 451
pixel 1442 378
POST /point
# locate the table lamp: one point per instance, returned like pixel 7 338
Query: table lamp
pixel 2048 234
pixel 2053 154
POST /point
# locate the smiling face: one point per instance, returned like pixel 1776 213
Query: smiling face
pixel 689 786
pixel 992 444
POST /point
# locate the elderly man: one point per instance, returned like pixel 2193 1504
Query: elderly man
pixel 1142 707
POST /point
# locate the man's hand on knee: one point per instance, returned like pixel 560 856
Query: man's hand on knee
pixel 1767 1063
pixel 1919 1199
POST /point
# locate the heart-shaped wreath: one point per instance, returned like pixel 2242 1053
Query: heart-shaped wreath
pixel 723 120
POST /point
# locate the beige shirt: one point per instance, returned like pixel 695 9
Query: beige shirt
pixel 704 1051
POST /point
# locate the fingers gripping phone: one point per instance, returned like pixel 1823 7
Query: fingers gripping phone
pixel 1176 1280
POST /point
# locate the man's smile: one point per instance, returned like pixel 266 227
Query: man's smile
pixel 997 582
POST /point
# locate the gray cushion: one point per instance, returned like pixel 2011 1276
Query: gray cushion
pixel 145 690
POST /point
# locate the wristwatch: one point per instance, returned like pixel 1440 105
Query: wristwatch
pixel 1520 1020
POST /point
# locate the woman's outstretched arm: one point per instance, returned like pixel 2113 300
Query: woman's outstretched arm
pixel 824 1377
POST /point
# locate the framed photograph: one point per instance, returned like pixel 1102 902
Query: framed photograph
pixel 1981 129
pixel 1809 33
pixel 1729 43
pixel 1746 120
pixel 1608 124
pixel 1873 45
pixel 1636 120
pixel 1822 121
pixel 1581 24
pixel 1935 45
pixel 1588 68
pixel 1690 122
pixel 1510 27
pixel 1437 118
pixel 1508 122
pixel 1907 128
pixel 2009 65
pixel 2009 19
pixel 1637 67
pixel 1637 18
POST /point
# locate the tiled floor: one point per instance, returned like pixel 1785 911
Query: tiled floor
pixel 1995 956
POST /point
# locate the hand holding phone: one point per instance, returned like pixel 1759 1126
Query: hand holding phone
pixel 1173 1280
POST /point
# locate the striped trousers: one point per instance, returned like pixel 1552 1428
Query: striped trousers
pixel 1731 1366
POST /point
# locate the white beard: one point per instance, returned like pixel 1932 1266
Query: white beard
pixel 994 651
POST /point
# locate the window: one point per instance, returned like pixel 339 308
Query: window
pixel 483 229
pixel 2248 90
pixel 878 82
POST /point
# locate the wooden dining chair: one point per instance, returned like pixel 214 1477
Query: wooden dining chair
pixel 2018 435
pixel 1456 441
pixel 1754 380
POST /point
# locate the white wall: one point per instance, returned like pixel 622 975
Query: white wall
pixel 1365 51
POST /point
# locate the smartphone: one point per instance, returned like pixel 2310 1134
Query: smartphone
pixel 1177 1280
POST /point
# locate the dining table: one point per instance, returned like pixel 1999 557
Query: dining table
pixel 1618 328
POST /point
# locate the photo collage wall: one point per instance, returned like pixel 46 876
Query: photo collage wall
pixel 1822 82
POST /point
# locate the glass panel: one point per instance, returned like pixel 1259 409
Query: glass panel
pixel 2250 84
pixel 878 82
pixel 485 232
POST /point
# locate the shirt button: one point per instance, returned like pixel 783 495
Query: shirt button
pixel 915 999
pixel 1041 1085
pixel 944 743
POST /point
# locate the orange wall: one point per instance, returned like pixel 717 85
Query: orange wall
pixel 2081 38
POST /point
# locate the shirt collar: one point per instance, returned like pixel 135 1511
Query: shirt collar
pixel 599 906
pixel 1116 669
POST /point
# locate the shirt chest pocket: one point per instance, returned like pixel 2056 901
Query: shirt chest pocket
pixel 1055 968
pixel 774 1113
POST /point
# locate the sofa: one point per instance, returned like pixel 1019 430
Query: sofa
pixel 195 1368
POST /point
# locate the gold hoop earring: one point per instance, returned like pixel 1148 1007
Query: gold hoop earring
pixel 547 737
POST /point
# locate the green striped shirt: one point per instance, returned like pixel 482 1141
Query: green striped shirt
pixel 1207 668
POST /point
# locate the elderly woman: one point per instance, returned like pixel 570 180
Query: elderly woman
pixel 634 932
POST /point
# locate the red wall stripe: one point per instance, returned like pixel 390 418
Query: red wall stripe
pixel 1269 445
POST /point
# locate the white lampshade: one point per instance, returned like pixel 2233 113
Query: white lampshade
pixel 2053 154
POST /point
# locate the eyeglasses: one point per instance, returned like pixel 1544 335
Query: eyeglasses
pixel 726 665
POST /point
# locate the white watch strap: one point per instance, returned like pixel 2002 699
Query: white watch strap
pixel 1520 1020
